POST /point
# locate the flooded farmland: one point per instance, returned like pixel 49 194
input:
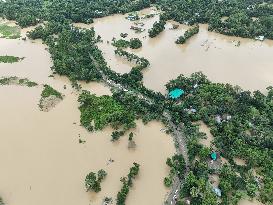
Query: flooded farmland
pixel 42 161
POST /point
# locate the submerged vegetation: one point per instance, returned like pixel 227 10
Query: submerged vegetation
pixel 9 59
pixel 49 91
pixel 10 32
pixel 93 180
pixel 188 34
pixel 49 98
pixel 17 81
pixel 127 183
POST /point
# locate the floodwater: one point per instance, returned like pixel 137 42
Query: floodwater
pixel 42 161
pixel 248 65
pixel 249 202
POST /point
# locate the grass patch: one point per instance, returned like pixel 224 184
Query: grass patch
pixel 10 32
pixel 10 59
pixel 49 91
pixel 17 81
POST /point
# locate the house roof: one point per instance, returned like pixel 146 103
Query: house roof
pixel 176 93
pixel 213 156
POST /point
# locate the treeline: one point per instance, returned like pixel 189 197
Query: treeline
pixel 31 12
pixel 177 168
pixel 188 34
pixel 135 76
pixel 141 62
pixel 243 18
pixel 134 43
pixel 158 27
pixel 241 123
pixel 127 183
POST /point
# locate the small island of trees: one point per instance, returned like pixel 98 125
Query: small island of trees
pixel 188 34
pixel 93 180
pixel 127 183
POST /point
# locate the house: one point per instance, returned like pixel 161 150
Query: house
pixel 176 93
pixel 259 38
pixel 213 156
pixel 132 17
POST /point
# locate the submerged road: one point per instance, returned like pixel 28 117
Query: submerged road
pixel 177 134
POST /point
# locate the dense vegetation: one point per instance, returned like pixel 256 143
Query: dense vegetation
pixel 9 59
pixel 247 134
pixel 141 62
pixel 31 12
pixel 177 168
pixel 11 32
pixel 188 34
pixel 135 43
pixel 93 181
pixel 127 183
pixel 245 18
pixel 98 112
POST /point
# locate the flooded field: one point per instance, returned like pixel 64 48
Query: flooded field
pixel 248 65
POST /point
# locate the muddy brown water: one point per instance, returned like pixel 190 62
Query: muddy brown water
pixel 216 55
pixel 42 161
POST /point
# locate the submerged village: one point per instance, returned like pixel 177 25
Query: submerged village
pixel 142 102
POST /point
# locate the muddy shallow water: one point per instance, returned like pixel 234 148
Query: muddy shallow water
pixel 216 55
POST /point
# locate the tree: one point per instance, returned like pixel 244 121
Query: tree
pixel 135 43
pixel 93 181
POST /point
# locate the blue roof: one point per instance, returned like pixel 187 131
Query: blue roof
pixel 213 156
pixel 176 93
